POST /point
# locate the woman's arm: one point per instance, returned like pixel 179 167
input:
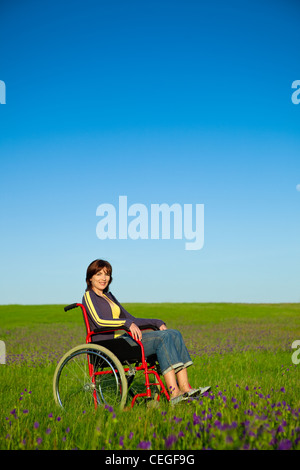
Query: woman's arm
pixel 140 322
pixel 100 314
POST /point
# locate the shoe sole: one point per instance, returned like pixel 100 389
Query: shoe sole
pixel 183 397
pixel 204 390
pixel 199 392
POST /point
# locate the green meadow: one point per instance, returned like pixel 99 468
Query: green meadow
pixel 244 351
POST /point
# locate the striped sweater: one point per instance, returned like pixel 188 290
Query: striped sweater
pixel 107 312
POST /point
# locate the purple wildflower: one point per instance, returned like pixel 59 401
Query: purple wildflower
pixel 169 441
pixel 109 408
pixel 285 444
pixel 144 445
pixel 177 420
pixel 196 419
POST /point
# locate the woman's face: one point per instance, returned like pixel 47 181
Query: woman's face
pixel 100 281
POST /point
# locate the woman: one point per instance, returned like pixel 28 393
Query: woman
pixel 104 310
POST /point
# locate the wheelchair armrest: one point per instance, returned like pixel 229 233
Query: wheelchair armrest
pixel 104 329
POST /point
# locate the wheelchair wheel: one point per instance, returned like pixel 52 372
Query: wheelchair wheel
pixel 89 375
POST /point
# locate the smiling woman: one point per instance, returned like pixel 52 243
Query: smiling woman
pixel 98 276
pixel 104 310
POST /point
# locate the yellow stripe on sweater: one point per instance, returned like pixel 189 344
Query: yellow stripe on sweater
pixel 95 316
pixel 115 313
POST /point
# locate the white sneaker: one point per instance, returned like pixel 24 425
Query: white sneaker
pixel 178 399
pixel 204 389
pixel 194 392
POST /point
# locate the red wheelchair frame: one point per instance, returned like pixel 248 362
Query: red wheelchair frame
pixel 144 365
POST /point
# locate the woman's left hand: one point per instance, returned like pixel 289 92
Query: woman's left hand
pixel 163 327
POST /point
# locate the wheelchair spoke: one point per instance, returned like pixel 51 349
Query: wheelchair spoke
pixel 89 376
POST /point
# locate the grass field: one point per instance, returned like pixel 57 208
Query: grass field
pixel 242 350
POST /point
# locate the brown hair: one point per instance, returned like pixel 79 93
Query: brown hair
pixel 94 268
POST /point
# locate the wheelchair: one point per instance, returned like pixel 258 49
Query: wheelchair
pixel 103 373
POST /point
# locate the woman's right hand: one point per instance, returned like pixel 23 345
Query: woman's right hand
pixel 135 331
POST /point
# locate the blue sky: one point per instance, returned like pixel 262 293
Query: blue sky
pixel 184 102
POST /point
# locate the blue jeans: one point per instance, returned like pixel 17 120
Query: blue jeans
pixel 169 347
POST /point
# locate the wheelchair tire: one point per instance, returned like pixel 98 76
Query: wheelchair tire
pixel 89 375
